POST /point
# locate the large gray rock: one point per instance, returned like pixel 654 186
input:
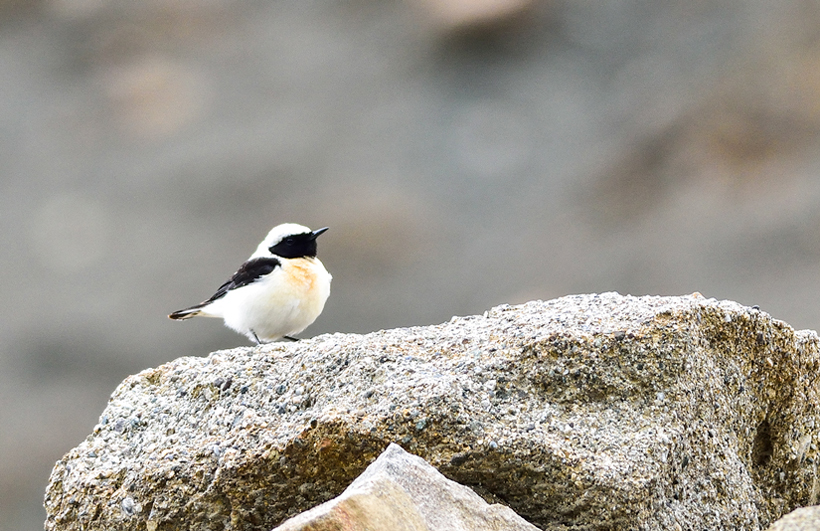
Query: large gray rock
pixel 589 411
pixel 402 491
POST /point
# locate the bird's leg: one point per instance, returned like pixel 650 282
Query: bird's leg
pixel 291 338
pixel 258 341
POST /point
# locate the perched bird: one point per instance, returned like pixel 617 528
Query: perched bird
pixel 278 292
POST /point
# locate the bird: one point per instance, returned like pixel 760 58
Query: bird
pixel 277 293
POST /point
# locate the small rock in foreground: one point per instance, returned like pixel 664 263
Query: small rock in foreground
pixel 402 491
pixel 802 519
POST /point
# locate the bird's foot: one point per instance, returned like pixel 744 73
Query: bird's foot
pixel 256 338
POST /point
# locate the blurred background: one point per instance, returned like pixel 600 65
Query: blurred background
pixel 465 153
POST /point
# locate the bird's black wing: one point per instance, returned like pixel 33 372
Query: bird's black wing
pixel 249 272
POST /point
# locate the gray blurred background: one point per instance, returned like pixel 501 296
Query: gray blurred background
pixel 465 153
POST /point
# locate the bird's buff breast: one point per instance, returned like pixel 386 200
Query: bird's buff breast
pixel 301 275
pixel 293 300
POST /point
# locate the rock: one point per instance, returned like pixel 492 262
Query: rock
pixel 802 519
pixel 589 411
pixel 402 491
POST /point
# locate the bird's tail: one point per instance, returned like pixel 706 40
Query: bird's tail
pixel 187 313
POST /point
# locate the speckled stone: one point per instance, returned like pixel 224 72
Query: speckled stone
pixel 590 411
pixel 399 491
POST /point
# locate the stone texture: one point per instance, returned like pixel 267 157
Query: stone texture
pixel 802 519
pixel 402 491
pixel 589 411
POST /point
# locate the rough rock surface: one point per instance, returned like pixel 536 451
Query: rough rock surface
pixel 597 411
pixel 802 519
pixel 402 491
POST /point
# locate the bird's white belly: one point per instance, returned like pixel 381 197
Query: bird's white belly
pixel 284 303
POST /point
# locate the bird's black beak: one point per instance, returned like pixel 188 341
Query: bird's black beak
pixel 318 232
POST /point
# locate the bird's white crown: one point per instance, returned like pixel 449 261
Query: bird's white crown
pixel 276 235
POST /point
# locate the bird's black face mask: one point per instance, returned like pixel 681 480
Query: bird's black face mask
pixel 297 245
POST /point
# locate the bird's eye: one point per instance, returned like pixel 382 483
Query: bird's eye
pixel 289 240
